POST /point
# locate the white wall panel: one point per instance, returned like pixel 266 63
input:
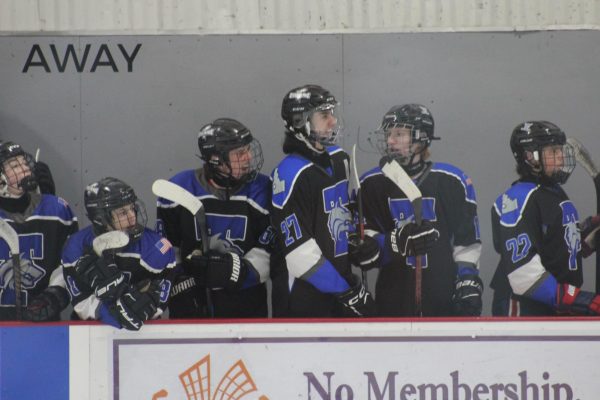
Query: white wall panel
pixel 292 16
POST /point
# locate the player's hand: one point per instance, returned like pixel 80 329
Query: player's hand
pixel 105 279
pixel 572 300
pixel 589 235
pixel 365 254
pixel 137 305
pixel 219 270
pixel 466 299
pixel 44 178
pixel 185 299
pixel 414 240
pixel 47 305
pixel 357 301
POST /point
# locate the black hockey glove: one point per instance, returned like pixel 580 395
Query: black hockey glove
pixel 412 239
pixel 47 305
pixel 589 235
pixel 105 279
pixel 572 300
pixel 137 305
pixel 357 301
pixel 365 255
pixel 43 176
pixel 216 270
pixel 185 300
pixel 466 299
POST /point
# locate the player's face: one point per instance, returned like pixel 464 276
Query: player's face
pixel 240 162
pixel 124 218
pixel 399 141
pixel 323 123
pixel 553 158
pixel 16 169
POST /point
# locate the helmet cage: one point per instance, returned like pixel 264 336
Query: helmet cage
pixel 14 161
pixel 312 132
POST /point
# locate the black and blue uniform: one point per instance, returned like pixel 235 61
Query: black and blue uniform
pixel 150 257
pixel 449 203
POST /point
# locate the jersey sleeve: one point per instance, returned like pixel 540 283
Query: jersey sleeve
pixel 293 213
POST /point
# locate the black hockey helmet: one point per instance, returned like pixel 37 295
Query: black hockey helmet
pixel 103 197
pixel 218 142
pixel 298 107
pixel 417 119
pixel 13 157
pixel 527 142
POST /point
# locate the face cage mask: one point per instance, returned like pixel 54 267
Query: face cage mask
pixel 105 221
pixel 248 169
pixel 562 174
pixel 336 131
pixel 380 142
pixel 27 184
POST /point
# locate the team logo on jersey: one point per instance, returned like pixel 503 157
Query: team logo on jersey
pixel 224 231
pixel 278 184
pixel 235 384
pixel 508 204
pixel 572 236
pixel 31 273
pixel 339 218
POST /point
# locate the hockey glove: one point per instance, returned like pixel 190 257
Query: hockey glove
pixel 365 255
pixel 47 305
pixel 216 270
pixel 185 300
pixel 589 235
pixel 105 279
pixel 357 301
pixel 466 299
pixel 43 176
pixel 412 239
pixel 572 300
pixel 137 305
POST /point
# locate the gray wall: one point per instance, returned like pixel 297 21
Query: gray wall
pixel 141 125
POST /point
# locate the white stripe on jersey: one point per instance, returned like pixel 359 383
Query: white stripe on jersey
pixel 303 258
pixel 527 275
pixel 468 254
pixel 259 258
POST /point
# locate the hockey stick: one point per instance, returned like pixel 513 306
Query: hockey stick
pixel 585 160
pixel 109 241
pixel 394 172
pixel 359 206
pixel 175 193
pixel 11 238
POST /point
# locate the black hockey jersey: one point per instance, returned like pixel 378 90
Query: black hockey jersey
pixel 43 230
pixel 151 257
pixel 536 232
pixel 238 224
pixel 449 203
pixel 312 220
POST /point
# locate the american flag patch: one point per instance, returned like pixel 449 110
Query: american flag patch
pixel 163 245
pixel 63 202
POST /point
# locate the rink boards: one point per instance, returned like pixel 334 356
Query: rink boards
pixel 402 359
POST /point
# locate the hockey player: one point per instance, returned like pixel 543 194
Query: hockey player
pixel 228 281
pixel 311 215
pixel 43 223
pixel 447 241
pixel 123 287
pixel 44 178
pixel 536 231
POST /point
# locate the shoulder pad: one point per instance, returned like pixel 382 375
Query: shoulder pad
pixel 372 172
pixel 76 245
pixel 257 193
pixel 57 208
pixel 334 149
pixel 510 205
pixel 284 177
pixel 457 173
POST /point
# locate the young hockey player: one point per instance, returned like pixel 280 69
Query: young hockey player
pixel 311 215
pixel 447 241
pixel 43 223
pixel 125 286
pixel 536 231
pixel 228 281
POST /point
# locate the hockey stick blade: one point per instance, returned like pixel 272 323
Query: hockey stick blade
pixel 175 193
pixel 11 237
pixel 583 157
pixel 109 240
